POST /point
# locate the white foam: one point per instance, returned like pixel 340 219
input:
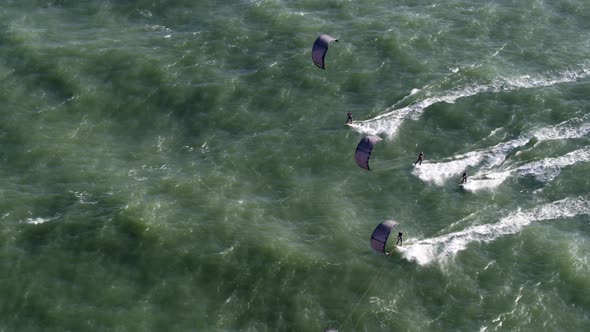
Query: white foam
pixel 569 129
pixel 38 220
pixel 487 181
pixel 491 158
pixel 438 173
pixel 144 13
pixel 495 131
pixel 389 122
pixel 547 169
pixel 445 247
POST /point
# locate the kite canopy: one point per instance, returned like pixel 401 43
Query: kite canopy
pixel 320 48
pixel 380 235
pixel 363 151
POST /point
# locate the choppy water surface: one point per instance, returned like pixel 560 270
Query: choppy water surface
pixel 182 165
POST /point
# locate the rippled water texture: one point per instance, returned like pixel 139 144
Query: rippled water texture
pixel 183 166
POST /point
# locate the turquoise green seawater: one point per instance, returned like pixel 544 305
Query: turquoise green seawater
pixel 183 166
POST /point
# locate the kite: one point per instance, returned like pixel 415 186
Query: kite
pixel 363 151
pixel 320 48
pixel 381 234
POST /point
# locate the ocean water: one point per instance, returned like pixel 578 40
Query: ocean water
pixel 183 166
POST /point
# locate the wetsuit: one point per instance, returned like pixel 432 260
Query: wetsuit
pixel 420 158
pixel 464 178
pixel 349 119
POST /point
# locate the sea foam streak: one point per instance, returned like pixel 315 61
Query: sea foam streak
pixel 444 247
pixel 388 123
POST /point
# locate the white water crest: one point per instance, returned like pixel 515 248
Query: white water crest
pixel 445 247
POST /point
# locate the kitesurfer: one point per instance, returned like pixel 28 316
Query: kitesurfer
pixel 399 238
pixel 349 117
pixel 420 158
pixel 464 178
